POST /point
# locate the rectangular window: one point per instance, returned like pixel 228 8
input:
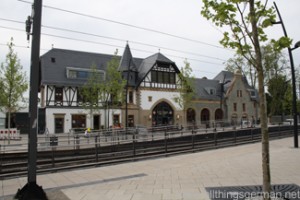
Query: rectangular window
pixel 58 94
pixel 116 120
pixel 150 98
pixel 130 97
pixel 239 93
pixel 154 76
pixel 78 121
pixel 234 107
pixel 244 107
pixel 172 78
pixel 159 77
pixel 130 121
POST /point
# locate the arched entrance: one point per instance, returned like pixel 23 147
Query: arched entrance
pixel 162 114
pixel 190 116
pixel 205 116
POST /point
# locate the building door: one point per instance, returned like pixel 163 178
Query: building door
pixel 96 122
pixel 59 125
pixel 162 114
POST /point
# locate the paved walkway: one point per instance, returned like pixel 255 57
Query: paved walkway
pixel 178 177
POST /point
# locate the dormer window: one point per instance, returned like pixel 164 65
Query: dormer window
pixel 210 91
pixel 80 73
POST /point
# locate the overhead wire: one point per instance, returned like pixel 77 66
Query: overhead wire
pixel 129 25
pixel 106 44
pixel 118 39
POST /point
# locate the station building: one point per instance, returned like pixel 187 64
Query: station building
pixel 152 85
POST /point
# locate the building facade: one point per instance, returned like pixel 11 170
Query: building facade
pixel 152 86
pixel 227 99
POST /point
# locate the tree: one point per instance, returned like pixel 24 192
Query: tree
pixel 274 63
pixel 91 90
pixel 186 91
pixel 278 90
pixel 104 92
pixel 247 21
pixel 13 83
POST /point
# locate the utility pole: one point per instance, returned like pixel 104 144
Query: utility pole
pixel 31 190
pixel 293 79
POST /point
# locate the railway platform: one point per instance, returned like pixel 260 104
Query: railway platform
pixel 185 176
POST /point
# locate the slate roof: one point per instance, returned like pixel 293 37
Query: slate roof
pixel 202 87
pixel 55 62
pixel 128 60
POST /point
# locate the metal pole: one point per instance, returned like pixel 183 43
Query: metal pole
pixel 293 82
pixel 34 81
pixel 31 190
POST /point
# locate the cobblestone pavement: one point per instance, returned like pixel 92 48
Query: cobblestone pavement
pixel 177 177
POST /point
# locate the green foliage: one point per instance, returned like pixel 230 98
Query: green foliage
pixel 91 90
pixel 233 14
pixel 114 83
pixel 97 92
pixel 13 82
pixel 187 92
pixel 280 92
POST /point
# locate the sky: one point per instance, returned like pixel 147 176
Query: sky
pixel 178 30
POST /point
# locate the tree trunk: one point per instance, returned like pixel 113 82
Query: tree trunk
pixel 263 108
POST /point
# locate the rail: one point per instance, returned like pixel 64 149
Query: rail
pixel 98 149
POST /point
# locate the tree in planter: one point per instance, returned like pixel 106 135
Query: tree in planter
pixel 13 84
pixel 186 91
pixel 247 20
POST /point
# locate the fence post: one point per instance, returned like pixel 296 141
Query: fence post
pixel 166 142
pixel 193 139
pixel 96 147
pixel 216 138
pixel 52 159
pixel 133 142
pixel 235 137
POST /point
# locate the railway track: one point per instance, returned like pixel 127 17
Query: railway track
pixel 167 144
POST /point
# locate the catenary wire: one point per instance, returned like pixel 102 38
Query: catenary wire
pixel 129 25
pixel 118 39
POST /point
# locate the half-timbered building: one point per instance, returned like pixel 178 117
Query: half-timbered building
pixel 152 85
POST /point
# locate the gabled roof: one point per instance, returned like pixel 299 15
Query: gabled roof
pixel 149 62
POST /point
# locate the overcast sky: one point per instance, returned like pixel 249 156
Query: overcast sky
pixel 176 17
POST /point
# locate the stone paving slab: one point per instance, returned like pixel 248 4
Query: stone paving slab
pixel 184 177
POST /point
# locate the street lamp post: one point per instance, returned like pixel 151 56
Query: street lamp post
pixel 293 79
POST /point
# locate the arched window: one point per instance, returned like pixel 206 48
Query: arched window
pixel 162 114
pixel 190 115
pixel 205 116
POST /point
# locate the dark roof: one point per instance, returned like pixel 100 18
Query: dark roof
pixel 203 86
pixel 127 61
pixel 149 62
pixel 55 62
